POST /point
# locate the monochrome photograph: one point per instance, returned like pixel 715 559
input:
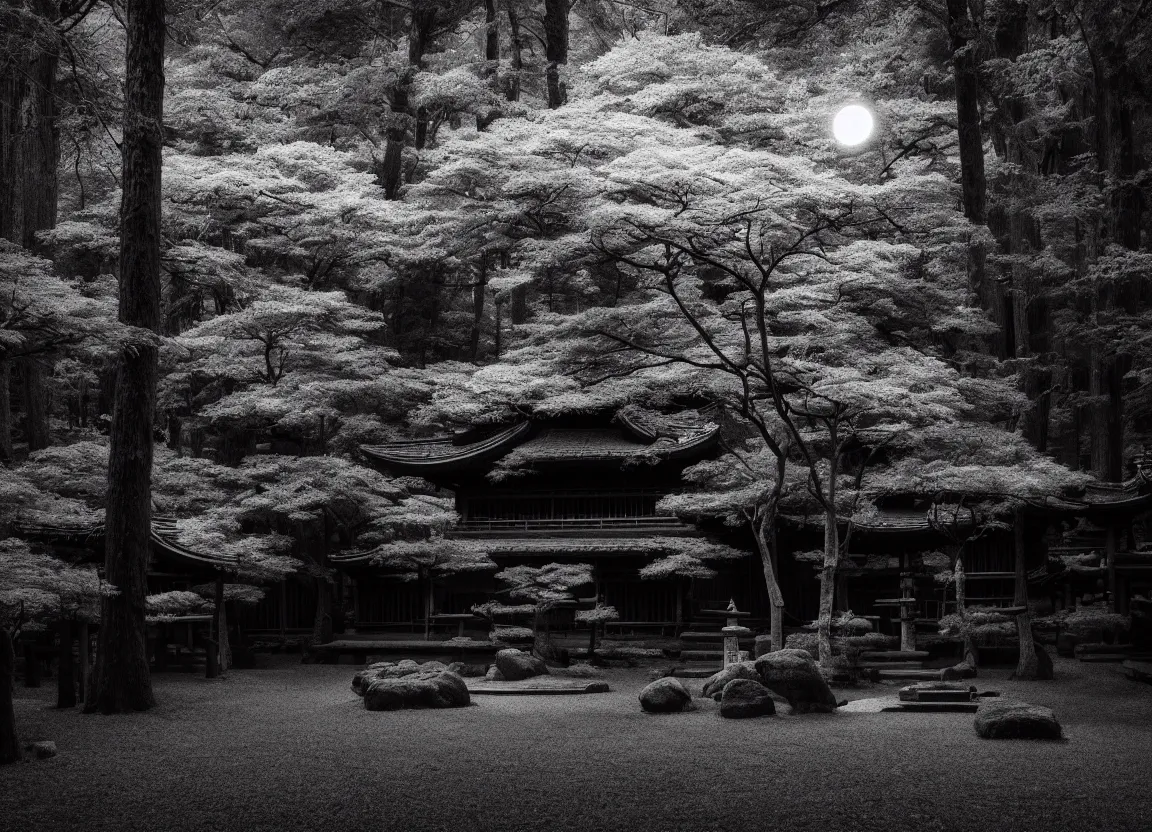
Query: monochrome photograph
pixel 541 415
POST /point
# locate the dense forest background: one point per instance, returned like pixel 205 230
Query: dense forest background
pixel 390 219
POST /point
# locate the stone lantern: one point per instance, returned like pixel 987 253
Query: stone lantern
pixel 733 632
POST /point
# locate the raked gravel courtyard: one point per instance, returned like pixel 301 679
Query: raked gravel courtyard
pixel 290 747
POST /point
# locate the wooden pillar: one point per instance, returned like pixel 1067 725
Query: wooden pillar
pixel 84 659
pixel 1110 549
pixel 161 651
pixel 283 608
pixel 212 666
pixel 31 666
pixel 65 675
pixel 907 610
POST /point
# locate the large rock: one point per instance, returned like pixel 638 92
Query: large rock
pixel 793 675
pixel 763 644
pixel 391 670
pixel 493 674
pixel 958 671
pixel 515 665
pixel 426 689
pixel 714 686
pixel 744 698
pixel 41 750
pixel 665 696
pixel 400 669
pixel 1016 720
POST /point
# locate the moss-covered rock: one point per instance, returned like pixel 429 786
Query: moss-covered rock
pixel 665 696
pixel 715 683
pixel 744 699
pixel 426 689
pixel 1016 720
pixel 794 675
pixel 515 665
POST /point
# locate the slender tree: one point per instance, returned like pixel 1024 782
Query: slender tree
pixel 120 681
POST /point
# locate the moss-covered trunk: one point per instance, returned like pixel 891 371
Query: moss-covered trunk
pixel 9 739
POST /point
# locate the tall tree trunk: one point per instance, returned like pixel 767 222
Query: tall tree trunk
pixel 29 156
pixel 82 655
pixel 5 411
pixel 966 68
pixel 827 587
pixel 322 625
pixel 389 169
pixel 120 680
pixel 491 33
pixel 9 739
pixel 555 48
pixel 29 133
pixel 767 564
pixel 479 290
pixel 512 91
pixel 35 404
pixel 970 656
pixel 65 673
pixel 831 553
pixel 1028 666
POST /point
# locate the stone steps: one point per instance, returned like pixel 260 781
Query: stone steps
pixel 539 690
pixel 890 665
pixel 935 707
pixel 921 675
pixel 894 655
pixel 695 672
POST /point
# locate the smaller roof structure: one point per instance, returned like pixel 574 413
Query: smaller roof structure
pixel 164 535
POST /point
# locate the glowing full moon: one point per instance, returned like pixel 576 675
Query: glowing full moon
pixel 852 125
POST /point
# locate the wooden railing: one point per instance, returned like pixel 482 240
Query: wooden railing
pixel 566 524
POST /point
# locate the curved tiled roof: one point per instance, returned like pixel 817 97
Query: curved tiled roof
pixel 427 456
pixel 163 535
pixel 527 444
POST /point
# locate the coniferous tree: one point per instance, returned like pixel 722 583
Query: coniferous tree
pixel 121 680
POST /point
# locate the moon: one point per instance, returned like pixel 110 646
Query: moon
pixel 852 125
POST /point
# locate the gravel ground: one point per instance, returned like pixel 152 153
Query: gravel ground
pixel 289 747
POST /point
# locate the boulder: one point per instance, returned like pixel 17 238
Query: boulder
pixel 399 670
pixel 957 672
pixel 433 665
pixel 361 680
pixel 41 750
pixel 493 674
pixel 1016 720
pixel 744 698
pixel 665 696
pixel 715 683
pixel 424 689
pixel 515 665
pixel 763 644
pixel 793 675
pixel 1066 645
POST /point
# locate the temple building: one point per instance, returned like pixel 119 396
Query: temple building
pixel 584 489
